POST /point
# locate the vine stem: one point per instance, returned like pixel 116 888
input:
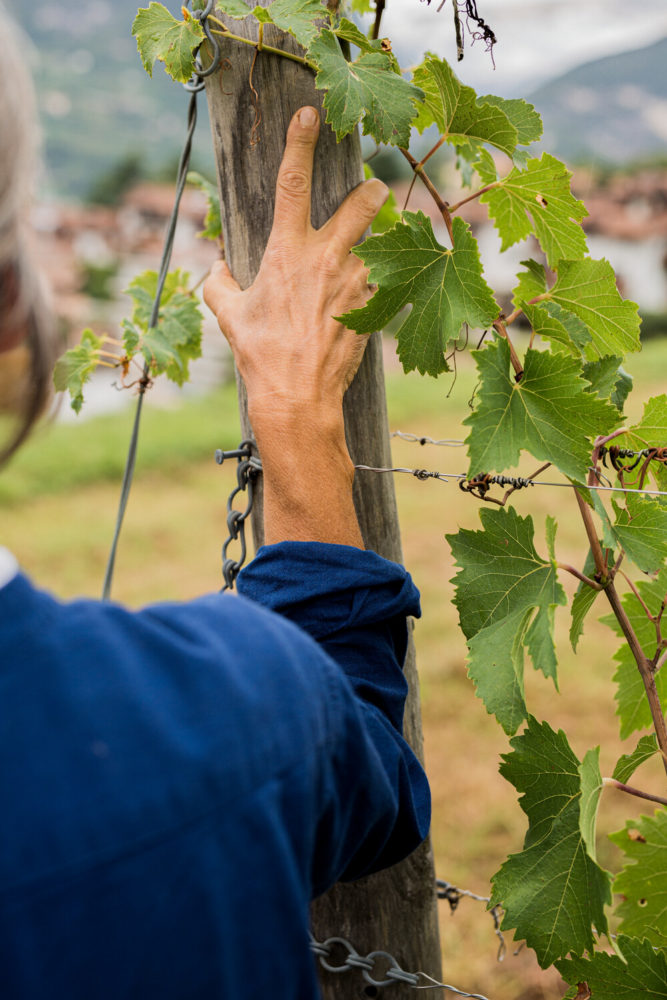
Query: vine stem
pixel 499 325
pixel 593 540
pixel 379 11
pixel 432 190
pixel 646 672
pixel 226 33
pixel 533 302
pixel 580 576
pixel 424 159
pixel 471 197
pixel 638 596
pixel 613 783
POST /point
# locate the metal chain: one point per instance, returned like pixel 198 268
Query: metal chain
pixel 247 470
pixel 367 965
pixel 194 86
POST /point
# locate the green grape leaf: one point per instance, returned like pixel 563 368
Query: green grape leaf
pixel 582 602
pixel 563 329
pixel 349 32
pixel 591 790
pixel 501 582
pixel 641 529
pixel 553 892
pixel 457 112
pixel 523 116
pixel 627 763
pixel 389 214
pixel 538 200
pixel 608 379
pixel 213 222
pixel 548 319
pixel 475 158
pixel 366 90
pixel 169 346
pixel 485 167
pixel 495 666
pixel 75 367
pixel 640 974
pixel 361 6
pixel 445 287
pixel 234 8
pixel 650 432
pixel 299 18
pixel 531 283
pixel 548 413
pixel 642 883
pixel 160 36
pixel 631 704
pixel 587 288
pixel 602 375
pixel 262 15
pixel 622 389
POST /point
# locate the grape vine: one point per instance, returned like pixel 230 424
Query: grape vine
pixel 560 401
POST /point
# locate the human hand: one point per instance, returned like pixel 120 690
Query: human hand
pixel 294 357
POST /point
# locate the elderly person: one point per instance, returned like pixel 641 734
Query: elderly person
pixel 177 783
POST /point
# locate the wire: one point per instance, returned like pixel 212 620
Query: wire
pixel 517 482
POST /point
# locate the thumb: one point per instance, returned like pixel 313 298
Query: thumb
pixel 219 287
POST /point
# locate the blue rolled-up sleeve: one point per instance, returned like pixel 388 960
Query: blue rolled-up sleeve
pixel 355 605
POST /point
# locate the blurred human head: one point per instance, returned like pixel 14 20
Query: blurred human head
pixel 26 323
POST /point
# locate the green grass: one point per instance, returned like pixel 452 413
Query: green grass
pixel 64 457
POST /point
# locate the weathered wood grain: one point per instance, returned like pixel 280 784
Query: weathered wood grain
pixel 394 910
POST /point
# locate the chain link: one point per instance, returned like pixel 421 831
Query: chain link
pixel 198 81
pixel 247 470
pixel 374 976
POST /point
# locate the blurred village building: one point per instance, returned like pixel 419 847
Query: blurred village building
pixel 91 253
pixel 627 224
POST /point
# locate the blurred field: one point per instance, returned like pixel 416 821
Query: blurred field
pixel 58 518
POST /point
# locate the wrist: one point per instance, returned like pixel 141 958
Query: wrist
pixel 308 475
pixel 307 430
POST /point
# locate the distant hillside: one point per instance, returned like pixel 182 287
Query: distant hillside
pixel 97 104
pixel 612 110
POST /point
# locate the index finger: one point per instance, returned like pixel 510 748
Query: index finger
pixel 291 217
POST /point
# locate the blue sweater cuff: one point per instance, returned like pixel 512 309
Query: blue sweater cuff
pixel 324 588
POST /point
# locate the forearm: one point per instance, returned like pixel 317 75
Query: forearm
pixel 308 476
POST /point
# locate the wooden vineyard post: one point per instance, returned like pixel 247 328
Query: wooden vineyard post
pixel 395 910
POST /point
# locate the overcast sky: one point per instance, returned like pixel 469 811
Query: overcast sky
pixel 537 39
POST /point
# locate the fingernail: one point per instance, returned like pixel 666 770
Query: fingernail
pixel 380 190
pixel 308 117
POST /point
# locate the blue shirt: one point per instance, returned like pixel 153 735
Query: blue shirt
pixel 177 783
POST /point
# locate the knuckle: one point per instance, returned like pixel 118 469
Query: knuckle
pixel 329 262
pixel 367 204
pixel 293 181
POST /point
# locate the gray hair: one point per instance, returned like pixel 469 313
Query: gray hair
pixel 23 302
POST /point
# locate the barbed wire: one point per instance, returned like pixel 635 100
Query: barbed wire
pixel 516 482
pixel 453 895
pixel 419 439
pixel 194 86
